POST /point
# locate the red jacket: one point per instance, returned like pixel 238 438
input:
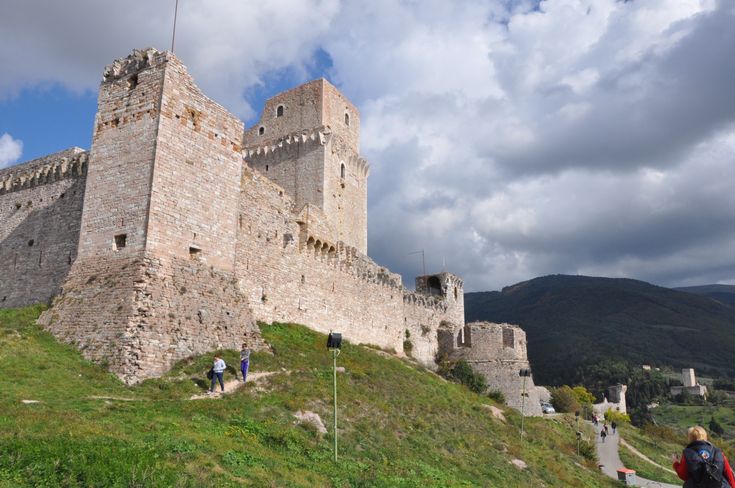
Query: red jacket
pixel 681 469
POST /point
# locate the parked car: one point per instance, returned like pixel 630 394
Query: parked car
pixel 547 407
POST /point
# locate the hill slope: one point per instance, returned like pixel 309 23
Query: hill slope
pixel 572 321
pixel 722 293
pixel 400 426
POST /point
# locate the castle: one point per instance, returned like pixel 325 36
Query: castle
pixel 179 230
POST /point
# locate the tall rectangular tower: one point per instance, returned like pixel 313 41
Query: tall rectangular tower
pixel 308 141
pixel 154 278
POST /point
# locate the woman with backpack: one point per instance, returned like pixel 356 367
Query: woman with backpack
pixel 702 465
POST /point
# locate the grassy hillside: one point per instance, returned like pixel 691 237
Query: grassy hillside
pixel 573 321
pixel 399 425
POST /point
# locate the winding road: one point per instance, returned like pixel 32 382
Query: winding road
pixel 610 461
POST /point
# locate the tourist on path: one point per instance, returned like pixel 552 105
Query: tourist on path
pixel 244 361
pixel 218 368
pixel 614 426
pixel 691 465
pixel 603 434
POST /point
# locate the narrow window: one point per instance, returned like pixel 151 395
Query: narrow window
pixel 120 241
pixel 508 339
pixel 342 170
pixel 266 168
pixel 347 119
pixel 279 111
pixel 261 130
pixel 195 252
pixel 30 243
pixel 303 279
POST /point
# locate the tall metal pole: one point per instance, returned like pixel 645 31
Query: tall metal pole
pixel 335 352
pixel 423 261
pixel 173 37
pixel 523 405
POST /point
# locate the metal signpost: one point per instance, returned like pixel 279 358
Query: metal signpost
pixel 334 344
pixel 524 373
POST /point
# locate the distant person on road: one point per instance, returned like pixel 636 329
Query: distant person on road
pixel 692 465
pixel 218 368
pixel 603 434
pixel 244 361
pixel 614 426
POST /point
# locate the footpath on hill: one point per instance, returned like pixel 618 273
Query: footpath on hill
pixel 232 385
pixel 610 461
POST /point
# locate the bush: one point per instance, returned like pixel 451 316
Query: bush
pixel 564 399
pixel 462 372
pixel 617 417
pixel 587 450
pixel 497 395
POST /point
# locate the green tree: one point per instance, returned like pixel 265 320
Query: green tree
pixel 564 399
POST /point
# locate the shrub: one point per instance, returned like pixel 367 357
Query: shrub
pixel 564 399
pixel 462 372
pixel 496 395
pixel 617 417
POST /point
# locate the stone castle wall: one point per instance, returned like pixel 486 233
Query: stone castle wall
pixel 498 352
pixel 40 213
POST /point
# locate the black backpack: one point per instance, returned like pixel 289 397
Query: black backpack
pixel 710 475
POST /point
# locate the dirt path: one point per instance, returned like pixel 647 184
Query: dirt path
pixel 643 456
pixel 235 384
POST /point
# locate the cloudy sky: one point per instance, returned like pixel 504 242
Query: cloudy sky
pixel 508 139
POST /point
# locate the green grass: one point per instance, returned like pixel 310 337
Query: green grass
pixel 681 417
pixel 400 426
pixel 658 448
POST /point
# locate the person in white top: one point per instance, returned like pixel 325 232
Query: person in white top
pixel 218 368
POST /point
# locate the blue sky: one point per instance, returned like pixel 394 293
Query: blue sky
pixel 508 139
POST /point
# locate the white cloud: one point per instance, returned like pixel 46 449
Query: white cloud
pixel 10 150
pixel 507 138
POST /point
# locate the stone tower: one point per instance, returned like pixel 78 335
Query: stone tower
pixel 308 141
pixel 156 254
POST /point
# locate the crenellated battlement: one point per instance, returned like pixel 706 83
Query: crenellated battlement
pixel 136 61
pixel 70 163
pixel 427 301
pixel 288 143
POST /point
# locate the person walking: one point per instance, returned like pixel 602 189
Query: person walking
pixel 614 426
pixel 244 361
pixel 701 463
pixel 603 434
pixel 218 368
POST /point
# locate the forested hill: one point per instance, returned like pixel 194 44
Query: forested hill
pixel 572 322
pixel 721 293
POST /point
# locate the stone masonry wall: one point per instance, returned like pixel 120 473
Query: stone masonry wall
pixel 196 177
pixel 121 159
pixel 290 275
pixel 327 170
pixel 141 315
pixel 40 214
pixel 295 163
pixel 498 352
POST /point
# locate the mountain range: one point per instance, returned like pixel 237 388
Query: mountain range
pixel 574 322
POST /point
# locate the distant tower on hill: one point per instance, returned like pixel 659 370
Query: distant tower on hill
pixel 308 142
